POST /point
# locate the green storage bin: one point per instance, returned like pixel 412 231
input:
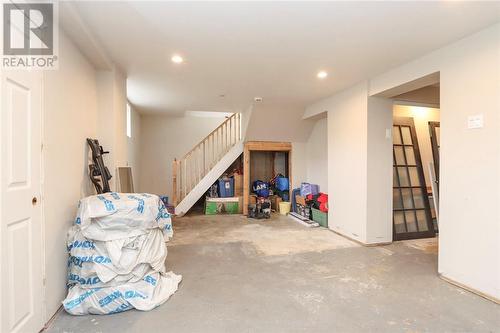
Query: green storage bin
pixel 231 207
pixel 215 206
pixel 320 217
pixel 211 208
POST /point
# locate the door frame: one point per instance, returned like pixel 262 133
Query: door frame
pixel 46 316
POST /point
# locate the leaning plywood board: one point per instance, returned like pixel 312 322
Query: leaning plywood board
pixel 125 183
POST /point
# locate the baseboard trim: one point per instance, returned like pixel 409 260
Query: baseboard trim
pixel 358 241
pixel 469 289
pixel 49 322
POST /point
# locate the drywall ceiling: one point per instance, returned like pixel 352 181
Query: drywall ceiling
pixel 269 49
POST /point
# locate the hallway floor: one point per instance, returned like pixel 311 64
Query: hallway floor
pixel 242 275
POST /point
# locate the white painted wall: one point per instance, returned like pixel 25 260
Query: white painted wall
pixel 317 155
pixel 469 242
pixel 347 161
pixel 379 170
pixel 105 116
pixel 269 122
pixel 299 163
pixel 266 122
pixel 164 138
pixel 359 164
pixel 111 126
pixel 246 115
pixel 70 116
pixel 79 102
pixel 133 148
pixel 120 120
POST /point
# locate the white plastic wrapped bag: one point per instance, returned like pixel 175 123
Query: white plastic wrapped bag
pixel 153 290
pixel 117 254
pixel 111 216
pixel 114 262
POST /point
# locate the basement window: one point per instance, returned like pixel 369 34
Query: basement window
pixel 129 121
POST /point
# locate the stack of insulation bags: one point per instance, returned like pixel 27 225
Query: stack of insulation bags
pixel 117 255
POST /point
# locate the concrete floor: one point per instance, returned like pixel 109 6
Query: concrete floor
pixel 275 275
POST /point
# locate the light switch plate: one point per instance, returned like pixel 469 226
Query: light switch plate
pixel 475 121
pixel 388 133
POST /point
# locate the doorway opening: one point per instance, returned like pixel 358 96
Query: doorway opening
pixel 416 142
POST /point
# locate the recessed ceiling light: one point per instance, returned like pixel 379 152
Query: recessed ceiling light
pixel 177 59
pixel 322 74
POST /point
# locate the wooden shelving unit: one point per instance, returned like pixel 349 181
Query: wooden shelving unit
pixel 269 146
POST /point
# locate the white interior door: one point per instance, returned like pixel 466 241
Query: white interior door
pixel 21 275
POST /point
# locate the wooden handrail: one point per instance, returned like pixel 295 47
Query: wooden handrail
pixel 211 133
pixel 196 163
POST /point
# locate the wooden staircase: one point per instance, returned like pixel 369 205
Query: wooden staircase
pixel 196 171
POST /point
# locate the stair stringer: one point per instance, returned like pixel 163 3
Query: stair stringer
pixel 202 187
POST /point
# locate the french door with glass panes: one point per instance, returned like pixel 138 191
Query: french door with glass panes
pixel 434 131
pixel 411 210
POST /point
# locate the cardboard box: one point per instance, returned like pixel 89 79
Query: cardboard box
pixel 300 200
pixel 252 200
pixel 275 202
pixel 240 205
pixel 238 185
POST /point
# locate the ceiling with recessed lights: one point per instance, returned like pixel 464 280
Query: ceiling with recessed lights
pixel 231 52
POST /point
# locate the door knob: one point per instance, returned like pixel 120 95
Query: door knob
pixel 34 201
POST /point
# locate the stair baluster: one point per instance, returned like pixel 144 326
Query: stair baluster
pixel 189 170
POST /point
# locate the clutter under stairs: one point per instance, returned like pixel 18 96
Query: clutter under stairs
pixel 193 174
